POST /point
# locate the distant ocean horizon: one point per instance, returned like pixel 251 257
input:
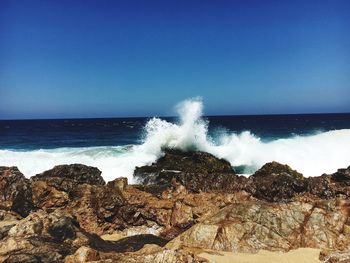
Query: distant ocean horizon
pixel 310 143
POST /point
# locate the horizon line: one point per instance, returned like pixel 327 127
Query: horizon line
pixel 162 116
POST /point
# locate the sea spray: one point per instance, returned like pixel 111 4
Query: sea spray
pixel 191 133
pixel 311 155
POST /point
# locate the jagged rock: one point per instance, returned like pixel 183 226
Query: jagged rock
pixel 182 215
pixel 148 254
pixel 320 186
pixel 275 168
pixel 255 225
pixel 50 237
pixel 331 186
pixel 30 241
pixel 48 197
pixel 79 190
pixel 197 171
pixel 78 173
pixel 96 208
pixel 5 229
pixel 276 182
pixel 187 162
pixel 342 175
pixel 82 255
pixel 202 172
pixel 7 220
pixel 119 183
pixel 9 216
pixel 132 243
pixel 62 229
pixel 328 256
pixel 15 191
pixel 193 199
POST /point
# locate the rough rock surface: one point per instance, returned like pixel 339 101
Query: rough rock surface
pixel 274 182
pixel 77 172
pixel 197 171
pixel 331 186
pixel 104 209
pixel 277 182
pixel 15 191
pixel 251 226
pixel 43 237
pixel 190 199
pixel 148 254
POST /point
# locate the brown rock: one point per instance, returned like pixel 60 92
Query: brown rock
pixel 182 215
pixel 251 226
pixel 320 186
pixel 15 191
pixel 29 240
pixel 83 254
pixel 276 182
pixel 50 237
pixel 77 173
pixel 193 199
pixel 148 254
pixel 119 183
pixel 342 175
pixel 329 256
pixel 48 197
pixel 330 186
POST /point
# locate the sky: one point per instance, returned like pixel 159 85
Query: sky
pixel 72 58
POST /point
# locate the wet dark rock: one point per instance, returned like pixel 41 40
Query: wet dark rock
pixel 275 168
pixel 77 172
pixel 276 182
pixel 320 186
pixel 128 244
pixel 15 191
pixel 175 161
pixel 197 171
pixel 342 176
pixel 330 186
pixel 63 229
pixel 64 178
pixel 202 172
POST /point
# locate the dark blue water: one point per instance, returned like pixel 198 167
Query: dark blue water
pixel 48 134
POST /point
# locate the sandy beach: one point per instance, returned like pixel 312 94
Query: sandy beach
pixel 301 255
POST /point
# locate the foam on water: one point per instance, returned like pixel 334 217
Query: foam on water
pixel 311 155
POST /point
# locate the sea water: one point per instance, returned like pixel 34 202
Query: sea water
pixel 313 144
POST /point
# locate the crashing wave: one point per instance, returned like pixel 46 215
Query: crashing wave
pixel 311 155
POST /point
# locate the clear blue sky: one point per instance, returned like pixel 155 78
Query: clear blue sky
pixel 70 58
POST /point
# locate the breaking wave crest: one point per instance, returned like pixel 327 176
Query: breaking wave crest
pixel 311 155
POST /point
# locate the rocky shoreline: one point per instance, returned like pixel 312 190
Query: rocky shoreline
pixel 186 203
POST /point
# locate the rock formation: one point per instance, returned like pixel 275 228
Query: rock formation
pixel 256 225
pixel 15 191
pixel 185 203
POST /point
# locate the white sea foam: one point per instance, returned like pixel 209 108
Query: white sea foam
pixel 311 155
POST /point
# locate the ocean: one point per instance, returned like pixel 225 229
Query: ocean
pixel 310 143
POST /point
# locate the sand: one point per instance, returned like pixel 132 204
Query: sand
pixel 112 237
pixel 301 255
